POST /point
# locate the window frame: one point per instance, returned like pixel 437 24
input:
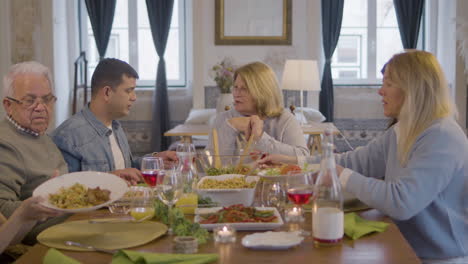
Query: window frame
pixel 133 41
pixel 372 49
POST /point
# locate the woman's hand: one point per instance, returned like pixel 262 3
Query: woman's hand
pixel 339 170
pixel 241 124
pixel 255 128
pixel 275 159
pixel 251 125
pixel 31 210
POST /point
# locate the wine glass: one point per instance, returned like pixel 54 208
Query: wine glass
pixel 273 192
pixel 152 168
pixel 142 203
pixel 299 190
pixel 169 189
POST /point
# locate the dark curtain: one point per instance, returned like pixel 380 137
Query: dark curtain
pixel 160 14
pixel 332 14
pixel 409 15
pixel 101 15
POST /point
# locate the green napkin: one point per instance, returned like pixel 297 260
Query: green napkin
pixel 356 227
pixel 54 256
pixel 129 257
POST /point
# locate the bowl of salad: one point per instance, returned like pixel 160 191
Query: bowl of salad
pixel 210 164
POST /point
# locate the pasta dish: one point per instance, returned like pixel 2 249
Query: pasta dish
pixel 233 183
pixel 79 196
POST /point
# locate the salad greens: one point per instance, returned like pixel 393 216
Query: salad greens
pixel 181 226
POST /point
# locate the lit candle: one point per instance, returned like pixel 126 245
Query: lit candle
pixel 225 234
pixel 294 215
pixel 294 212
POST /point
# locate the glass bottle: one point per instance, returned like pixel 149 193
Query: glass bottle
pixel 188 172
pixel 327 210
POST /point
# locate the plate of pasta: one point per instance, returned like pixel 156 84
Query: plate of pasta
pixel 81 191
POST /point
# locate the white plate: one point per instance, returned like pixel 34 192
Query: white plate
pixel 272 240
pixel 239 226
pixel 90 179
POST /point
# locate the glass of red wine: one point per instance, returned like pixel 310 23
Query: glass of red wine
pixel 299 188
pixel 151 169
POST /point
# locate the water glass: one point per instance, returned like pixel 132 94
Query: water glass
pixel 169 189
pixel 142 203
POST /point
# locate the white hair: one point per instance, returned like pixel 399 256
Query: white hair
pixel 27 67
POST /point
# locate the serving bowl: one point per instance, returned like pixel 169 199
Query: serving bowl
pixel 227 197
pixel 211 165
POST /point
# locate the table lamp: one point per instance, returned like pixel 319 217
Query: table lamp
pixel 301 75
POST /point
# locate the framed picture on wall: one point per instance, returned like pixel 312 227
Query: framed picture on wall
pixel 247 22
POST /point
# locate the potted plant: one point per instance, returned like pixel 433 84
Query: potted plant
pixel 223 74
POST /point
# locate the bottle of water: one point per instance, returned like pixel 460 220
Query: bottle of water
pixel 327 210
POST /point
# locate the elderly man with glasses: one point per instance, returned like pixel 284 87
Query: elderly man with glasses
pixel 28 155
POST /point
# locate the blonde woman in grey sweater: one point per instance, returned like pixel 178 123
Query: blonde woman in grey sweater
pixel 258 112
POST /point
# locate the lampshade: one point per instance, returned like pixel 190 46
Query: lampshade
pixel 301 75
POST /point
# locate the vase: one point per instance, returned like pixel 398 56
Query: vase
pixel 224 100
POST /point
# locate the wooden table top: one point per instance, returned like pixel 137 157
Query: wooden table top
pixel 387 247
pixel 204 130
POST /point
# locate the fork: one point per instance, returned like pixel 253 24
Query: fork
pixel 80 245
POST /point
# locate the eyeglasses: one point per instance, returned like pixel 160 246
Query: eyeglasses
pixel 28 102
pixel 240 90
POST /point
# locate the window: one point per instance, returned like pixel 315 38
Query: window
pixel 369 37
pixel 131 41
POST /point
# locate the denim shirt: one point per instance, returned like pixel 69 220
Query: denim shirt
pixel 85 145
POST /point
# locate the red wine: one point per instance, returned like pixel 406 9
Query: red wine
pixel 299 195
pixel 151 176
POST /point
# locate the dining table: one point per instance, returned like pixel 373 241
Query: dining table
pixel 314 131
pixel 386 247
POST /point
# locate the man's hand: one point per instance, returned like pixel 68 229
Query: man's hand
pixel 169 157
pixel 131 175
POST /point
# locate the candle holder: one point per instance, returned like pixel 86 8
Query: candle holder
pixel 185 244
pixel 224 234
pixel 293 215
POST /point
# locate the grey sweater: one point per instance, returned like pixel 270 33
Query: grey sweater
pixel 281 135
pixel 25 162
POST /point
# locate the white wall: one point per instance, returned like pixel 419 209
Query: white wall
pixel 65 52
pixel 305 44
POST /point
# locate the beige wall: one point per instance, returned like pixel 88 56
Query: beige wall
pixel 27 26
pixel 305 44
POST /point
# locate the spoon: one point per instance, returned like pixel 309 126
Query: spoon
pixel 76 244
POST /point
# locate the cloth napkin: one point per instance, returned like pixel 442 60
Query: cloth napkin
pixel 54 256
pixel 356 226
pixel 129 257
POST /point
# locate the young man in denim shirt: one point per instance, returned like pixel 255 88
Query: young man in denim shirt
pixel 92 139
